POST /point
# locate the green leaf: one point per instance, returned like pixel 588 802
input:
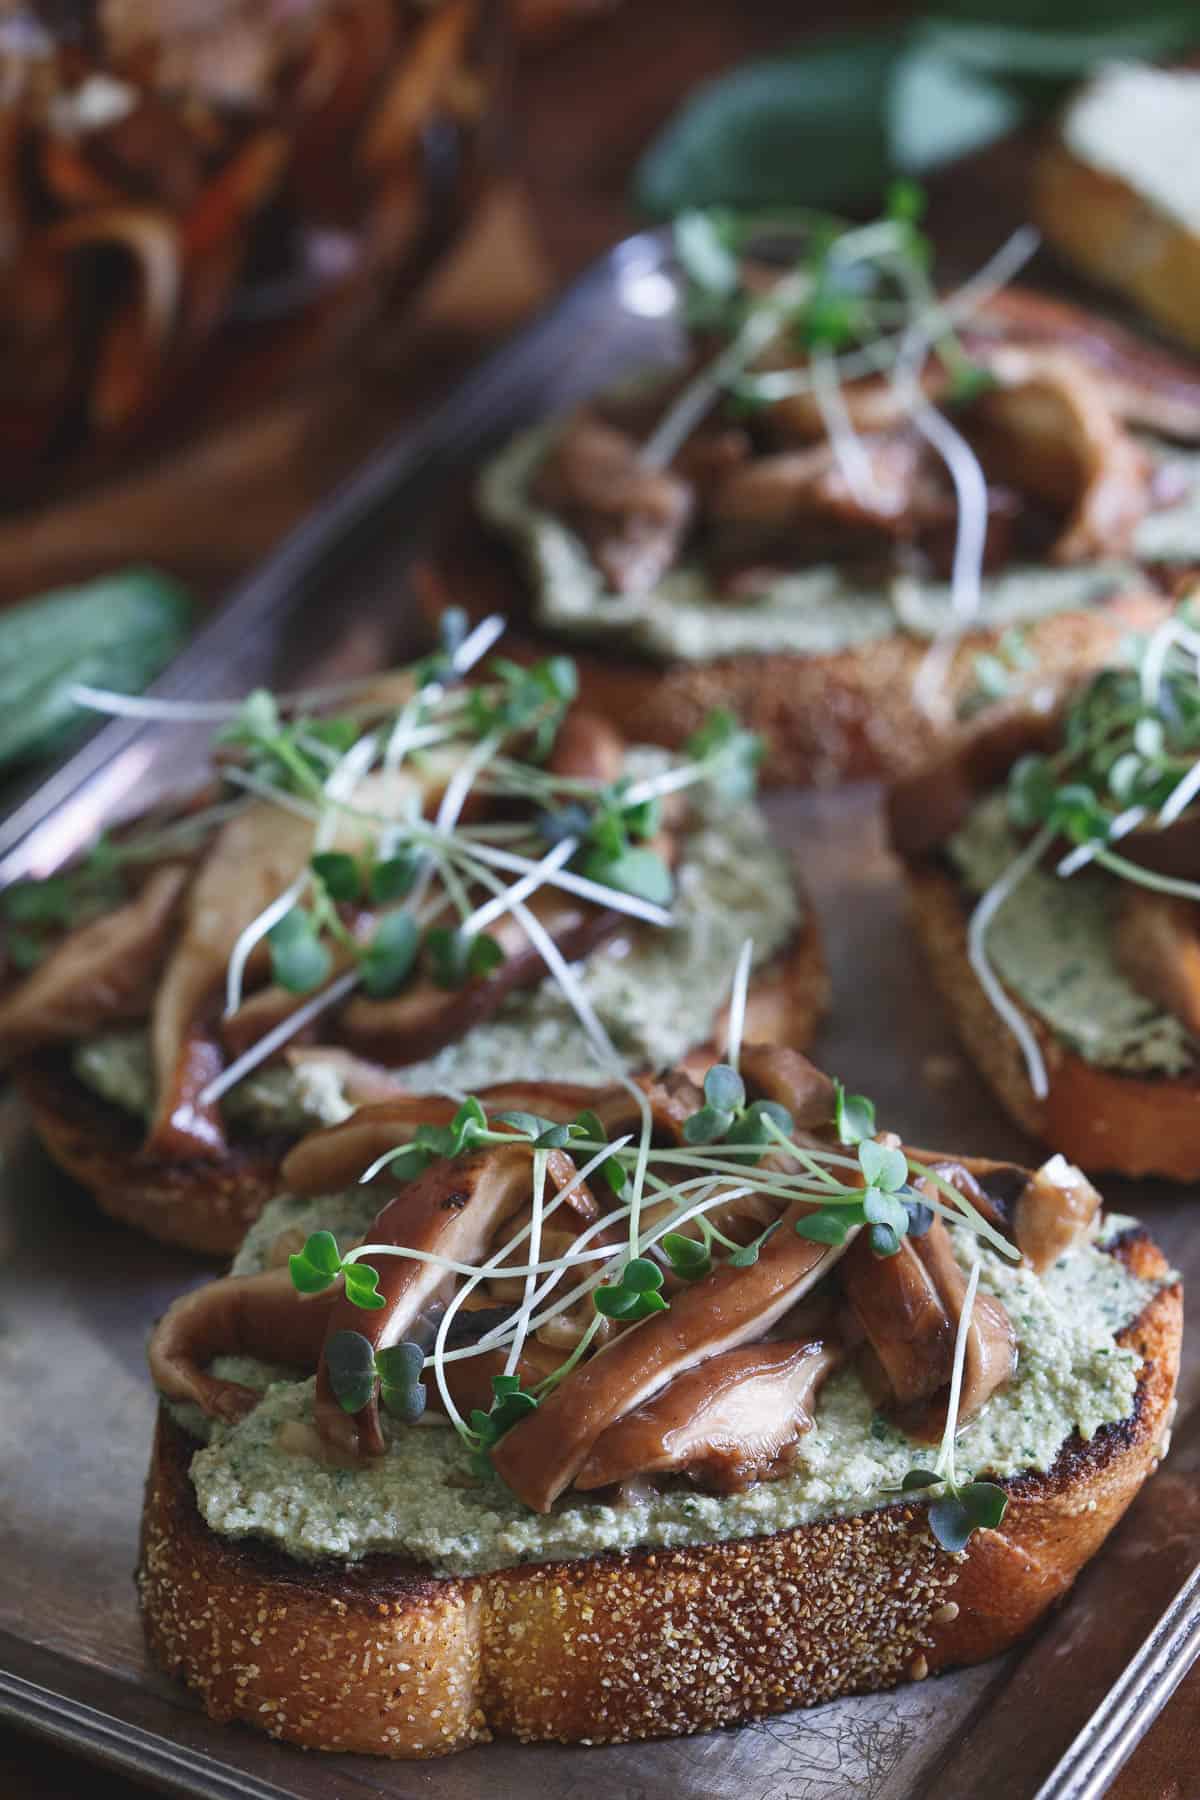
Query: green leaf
pixel 555 1137
pixel 920 1217
pixel 316 1266
pixel 528 1124
pixel 362 1282
pixel 350 1362
pixel 117 632
pixel 880 1208
pixel 484 957
pixel 751 1126
pixel 939 109
pixel 1031 789
pixel 387 963
pixel 986 1504
pixel 883 1167
pixel 300 962
pixel 393 878
pixel 400 1386
pixel 339 873
pixel 800 129
pixel 854 1115
pixel 615 1302
pixel 708 1126
pixel 920 1478
pixel 883 1241
pixel 590 1128
pixel 724 1088
pixel 641 1276
pixel 824 1227
pixel 45 902
pixel 1050 42
pixel 950 1523
pixel 747 1256
pixel 688 1257
pixel 640 872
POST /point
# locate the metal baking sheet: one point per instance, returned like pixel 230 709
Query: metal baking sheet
pixel 78 1294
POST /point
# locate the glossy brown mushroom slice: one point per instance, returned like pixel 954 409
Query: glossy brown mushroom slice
pixel 423 1018
pixel 541 1456
pixel 241 1315
pixel 101 973
pixel 775 1072
pixel 1054 1212
pixel 1047 429
pixel 452 1211
pixel 909 1307
pixel 734 1420
pixel 1157 943
pixel 631 517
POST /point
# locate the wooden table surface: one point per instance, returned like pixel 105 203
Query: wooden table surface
pixel 584 109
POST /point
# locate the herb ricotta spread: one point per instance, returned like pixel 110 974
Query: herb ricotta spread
pixel 1051 943
pixel 653 990
pixel 817 611
pixel 421 1499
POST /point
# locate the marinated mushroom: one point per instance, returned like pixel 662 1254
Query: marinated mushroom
pixel 240 1315
pixel 1055 1209
pixel 541 1455
pixel 736 1419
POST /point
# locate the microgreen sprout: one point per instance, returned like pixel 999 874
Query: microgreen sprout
pixel 355 1367
pixel 1129 760
pixel 510 1404
pixel 318 1265
pixel 969 1506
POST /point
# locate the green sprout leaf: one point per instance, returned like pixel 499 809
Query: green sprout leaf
pixel 392 879
pixel 400 1386
pixel 639 872
pixel 708 1126
pixel 339 874
pixel 318 1265
pixel 883 1241
pixel 350 1362
pixel 747 1256
pixel 724 1088
pixel 300 962
pixel 854 1115
pixel 752 1127
pixel 388 960
pixel 828 1225
pixel 362 1283
pixel 920 1478
pixel 950 1523
pixel 689 1258
pixel 883 1167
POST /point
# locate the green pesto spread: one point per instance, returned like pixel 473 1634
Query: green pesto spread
pixel 421 1499
pixel 1051 943
pixel 652 988
pixel 817 611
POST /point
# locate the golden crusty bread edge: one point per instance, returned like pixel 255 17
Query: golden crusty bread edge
pixel 1099 1118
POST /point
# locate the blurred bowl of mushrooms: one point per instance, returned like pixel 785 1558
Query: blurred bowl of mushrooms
pixel 199 199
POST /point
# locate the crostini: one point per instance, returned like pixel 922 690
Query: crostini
pixel 450 882
pixel 859 510
pixel 1116 190
pixel 1053 868
pixel 702 1403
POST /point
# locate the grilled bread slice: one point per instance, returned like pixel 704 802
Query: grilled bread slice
pixel 1102 1119
pixel 385 1657
pixel 1112 192
pixel 207 1206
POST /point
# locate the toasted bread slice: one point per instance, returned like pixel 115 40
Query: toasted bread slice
pixel 848 716
pixel 1109 192
pixel 384 1657
pixel 207 1206
pixel 1099 1118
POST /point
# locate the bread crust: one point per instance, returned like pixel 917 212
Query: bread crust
pixel 1118 237
pixel 847 716
pixel 382 1657
pixel 844 717
pixel 209 1206
pixel 1099 1118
